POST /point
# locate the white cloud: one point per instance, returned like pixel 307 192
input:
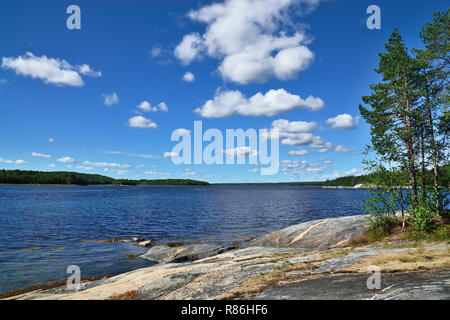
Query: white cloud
pixel 106 164
pixel 145 106
pixel 151 172
pixel 273 102
pixel 110 99
pixel 181 131
pixel 170 155
pixel 287 126
pixel 50 70
pixel 86 70
pixel 343 121
pixel 240 152
pixel 141 122
pixel 189 48
pixel 51 140
pixel 250 38
pixel 163 107
pixel 298 152
pixel 326 160
pixel 5 161
pixel 3 81
pixel 52 165
pixel 35 154
pixel 296 168
pixel 293 133
pixel 341 148
pixel 20 161
pixel 66 159
pixel 188 77
pixel 328 146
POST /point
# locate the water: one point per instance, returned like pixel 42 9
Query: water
pixel 44 229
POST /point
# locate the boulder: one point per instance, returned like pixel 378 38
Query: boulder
pixel 179 254
pixel 147 243
pixel 316 234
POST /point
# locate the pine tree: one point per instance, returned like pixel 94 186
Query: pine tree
pixel 392 102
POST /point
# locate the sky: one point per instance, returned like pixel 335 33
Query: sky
pixel 106 98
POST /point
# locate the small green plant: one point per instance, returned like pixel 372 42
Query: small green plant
pixel 422 218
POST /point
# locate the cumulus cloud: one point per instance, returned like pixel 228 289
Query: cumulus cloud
pixel 273 102
pixel 110 99
pixel 341 148
pixel 145 106
pixel 41 155
pixel 189 48
pixel 328 146
pixel 181 131
pixel 296 168
pixel 300 133
pixel 66 159
pixel 240 152
pixel 343 121
pixel 51 140
pixel 292 133
pixel 250 38
pixel 298 152
pixel 20 161
pixel 141 122
pixel 188 77
pixel 86 70
pixel 5 161
pixel 50 70
pixel 170 155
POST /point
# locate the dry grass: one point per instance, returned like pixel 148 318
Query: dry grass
pixel 129 295
pixel 257 284
pixel 413 260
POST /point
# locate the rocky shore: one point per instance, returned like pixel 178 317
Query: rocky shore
pixel 318 259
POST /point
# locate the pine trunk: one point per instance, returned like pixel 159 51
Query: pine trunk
pixel 434 152
pixel 409 141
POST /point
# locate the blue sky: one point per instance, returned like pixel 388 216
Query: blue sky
pixel 269 55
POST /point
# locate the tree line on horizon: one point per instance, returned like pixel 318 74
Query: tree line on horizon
pixel 409 117
pixel 82 179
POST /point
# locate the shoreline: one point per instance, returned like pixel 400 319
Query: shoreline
pixel 264 267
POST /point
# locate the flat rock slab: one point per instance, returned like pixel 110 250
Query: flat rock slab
pixel 180 254
pixel 315 235
pixel 434 285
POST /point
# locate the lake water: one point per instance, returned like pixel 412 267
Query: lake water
pixel 44 229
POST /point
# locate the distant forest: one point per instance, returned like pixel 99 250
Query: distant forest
pixel 370 179
pixel 75 178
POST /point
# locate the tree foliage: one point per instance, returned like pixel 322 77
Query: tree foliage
pixel 75 178
pixel 408 114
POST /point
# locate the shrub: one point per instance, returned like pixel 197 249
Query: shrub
pixel 422 218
